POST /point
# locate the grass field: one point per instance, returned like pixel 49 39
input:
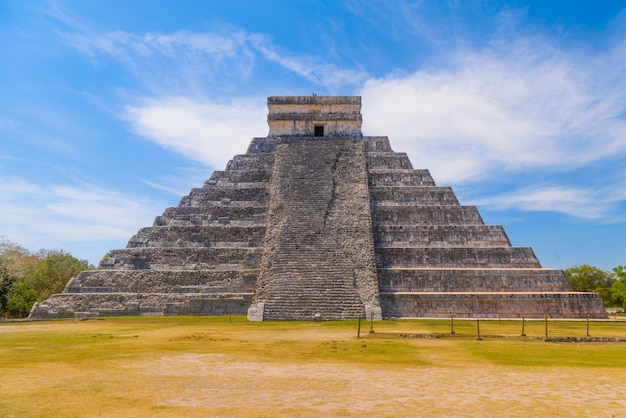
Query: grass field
pixel 210 366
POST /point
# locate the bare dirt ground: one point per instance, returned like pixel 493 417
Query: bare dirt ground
pixel 217 383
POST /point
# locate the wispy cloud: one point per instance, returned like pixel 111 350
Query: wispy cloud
pixel 579 202
pixel 521 102
pixel 200 57
pixel 180 108
pixel 501 109
pixel 36 214
pixel 312 68
pixel 9 124
pixel 202 131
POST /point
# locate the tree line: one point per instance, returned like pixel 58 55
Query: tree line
pixel 611 285
pixel 26 278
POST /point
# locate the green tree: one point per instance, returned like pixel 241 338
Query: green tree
pixel 587 278
pixel 618 289
pixel 618 293
pixel 7 279
pixel 49 276
pixel 20 299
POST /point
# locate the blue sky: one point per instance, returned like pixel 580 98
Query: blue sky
pixel 110 111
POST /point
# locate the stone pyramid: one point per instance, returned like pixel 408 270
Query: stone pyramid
pixel 318 221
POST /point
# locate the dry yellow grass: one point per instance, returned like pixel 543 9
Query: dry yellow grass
pixel 203 366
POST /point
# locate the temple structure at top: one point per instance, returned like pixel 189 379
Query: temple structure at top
pixel 316 220
pixel 315 116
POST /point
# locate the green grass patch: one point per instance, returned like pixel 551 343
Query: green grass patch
pixel 172 366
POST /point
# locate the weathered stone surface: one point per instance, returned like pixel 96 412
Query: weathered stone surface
pixel 318 256
pixel 492 305
pixel 427 256
pixel 317 221
pixel 199 258
pixel 399 177
pixel 436 258
pixel 68 305
pixel 338 116
pixel 224 234
pixel 455 280
pixel 164 281
pixel 441 236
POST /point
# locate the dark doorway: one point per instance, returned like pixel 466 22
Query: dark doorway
pixel 319 130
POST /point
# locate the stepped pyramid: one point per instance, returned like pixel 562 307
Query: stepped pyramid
pixel 318 221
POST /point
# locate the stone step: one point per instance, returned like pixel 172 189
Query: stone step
pixel 145 281
pixel 388 160
pixel 68 305
pixel 399 177
pixel 471 280
pixel 262 161
pixel 419 196
pixel 376 144
pixel 425 215
pixel 229 177
pixel 182 258
pixel 492 304
pixel 225 195
pixel 519 257
pixel 198 236
pixel 263 145
pixel 321 232
pixel 414 236
pixel 196 215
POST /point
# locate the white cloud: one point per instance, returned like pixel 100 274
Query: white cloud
pixel 521 103
pixel 583 203
pixel 44 215
pixel 200 130
pixel 309 67
pixel 526 106
pixel 187 59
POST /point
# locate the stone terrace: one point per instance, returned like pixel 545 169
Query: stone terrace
pixel 200 257
pixel 436 258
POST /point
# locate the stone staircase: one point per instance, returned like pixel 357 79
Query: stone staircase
pixel 437 258
pixel 318 258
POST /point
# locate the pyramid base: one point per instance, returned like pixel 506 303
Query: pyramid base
pixel 492 305
pixel 71 305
